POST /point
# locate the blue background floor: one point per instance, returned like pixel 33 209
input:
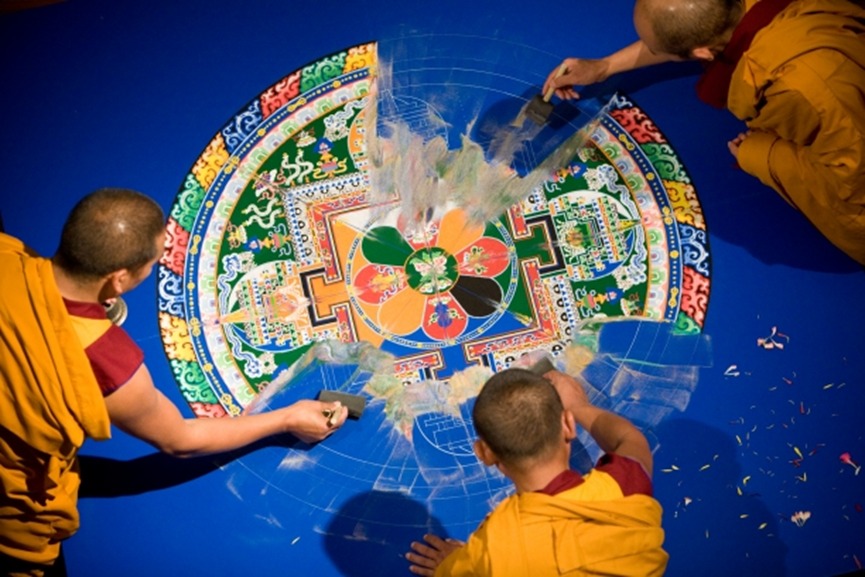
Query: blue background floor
pixel 100 93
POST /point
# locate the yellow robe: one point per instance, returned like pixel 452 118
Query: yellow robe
pixel 801 86
pixel 588 530
pixel 49 403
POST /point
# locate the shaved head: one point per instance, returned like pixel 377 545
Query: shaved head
pixel 679 27
pixel 518 415
pixel 109 230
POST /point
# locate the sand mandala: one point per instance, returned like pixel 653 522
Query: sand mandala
pixel 286 274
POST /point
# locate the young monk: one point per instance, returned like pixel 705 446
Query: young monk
pixel 559 522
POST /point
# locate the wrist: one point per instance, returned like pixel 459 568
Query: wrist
pixel 604 69
pixel 277 421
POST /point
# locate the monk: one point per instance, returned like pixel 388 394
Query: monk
pixel 67 373
pixel 559 522
pixel 793 70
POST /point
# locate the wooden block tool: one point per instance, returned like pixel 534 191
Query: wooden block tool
pixel 354 403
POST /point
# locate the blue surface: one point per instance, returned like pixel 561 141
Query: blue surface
pixel 128 94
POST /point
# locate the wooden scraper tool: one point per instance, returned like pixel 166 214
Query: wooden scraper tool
pixel 354 403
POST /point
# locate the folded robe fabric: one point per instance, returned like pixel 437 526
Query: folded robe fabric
pixel 49 403
pixel 801 88
pixel 589 530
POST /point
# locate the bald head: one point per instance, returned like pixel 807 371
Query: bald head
pixel 110 230
pixel 679 27
pixel 518 414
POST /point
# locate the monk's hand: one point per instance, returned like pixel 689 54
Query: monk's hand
pixel 575 72
pixel 425 557
pixel 570 390
pixel 312 421
pixel 733 145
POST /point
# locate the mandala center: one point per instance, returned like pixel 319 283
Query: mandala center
pixel 431 270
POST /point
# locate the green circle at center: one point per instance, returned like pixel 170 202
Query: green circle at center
pixel 431 270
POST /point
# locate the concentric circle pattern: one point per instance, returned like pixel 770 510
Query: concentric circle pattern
pixel 274 247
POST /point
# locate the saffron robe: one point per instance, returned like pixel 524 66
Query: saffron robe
pixel 801 87
pixel 588 530
pixel 49 403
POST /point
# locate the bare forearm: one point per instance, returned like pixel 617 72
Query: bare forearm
pixel 209 436
pixel 606 428
pixel 139 409
pixel 307 420
pixel 614 434
pixel 574 72
pixel 631 57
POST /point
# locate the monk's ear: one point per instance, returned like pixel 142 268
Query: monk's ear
pixel 569 426
pixel 116 282
pixel 484 453
pixel 703 53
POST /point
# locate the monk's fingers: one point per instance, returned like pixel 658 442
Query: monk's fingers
pixel 429 554
pixel 567 93
pixel 435 541
pixel 420 560
pixel 417 570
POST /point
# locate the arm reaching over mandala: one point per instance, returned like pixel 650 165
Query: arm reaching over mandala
pixel 141 410
pixel 559 521
pixel 587 71
pixel 668 31
pixel 613 433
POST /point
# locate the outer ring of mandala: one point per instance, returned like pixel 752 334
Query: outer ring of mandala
pixel 481 329
pixel 649 192
pixel 206 367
